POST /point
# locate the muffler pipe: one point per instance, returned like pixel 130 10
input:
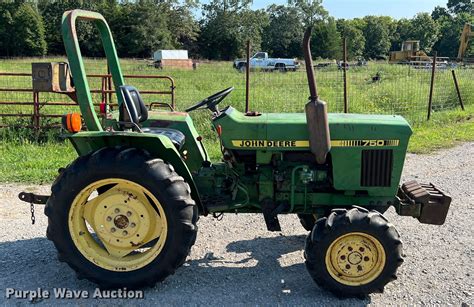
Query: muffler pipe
pixel 316 109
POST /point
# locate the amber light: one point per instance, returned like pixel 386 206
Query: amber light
pixel 72 122
pixel 219 130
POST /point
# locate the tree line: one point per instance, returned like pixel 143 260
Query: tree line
pixel 219 29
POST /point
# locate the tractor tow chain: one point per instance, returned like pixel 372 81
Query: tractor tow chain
pixel 33 199
pixel 32 209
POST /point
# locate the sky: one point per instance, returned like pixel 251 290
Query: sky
pixel 360 8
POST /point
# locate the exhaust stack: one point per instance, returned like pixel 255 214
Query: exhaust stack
pixel 316 110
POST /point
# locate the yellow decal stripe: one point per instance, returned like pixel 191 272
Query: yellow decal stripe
pixel 305 144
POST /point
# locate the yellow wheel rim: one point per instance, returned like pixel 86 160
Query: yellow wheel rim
pixel 355 259
pixel 122 229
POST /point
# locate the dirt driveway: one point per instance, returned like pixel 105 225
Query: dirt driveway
pixel 237 261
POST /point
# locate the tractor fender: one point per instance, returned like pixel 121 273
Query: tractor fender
pixel 158 146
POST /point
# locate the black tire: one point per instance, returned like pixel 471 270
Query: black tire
pixel 342 222
pixel 242 68
pixel 280 67
pixel 156 176
pixel 307 221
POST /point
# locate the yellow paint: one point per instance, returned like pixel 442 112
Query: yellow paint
pixel 111 229
pixel 355 259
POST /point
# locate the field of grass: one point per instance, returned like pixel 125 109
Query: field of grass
pixel 402 90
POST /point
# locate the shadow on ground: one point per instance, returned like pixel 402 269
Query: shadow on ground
pixel 261 276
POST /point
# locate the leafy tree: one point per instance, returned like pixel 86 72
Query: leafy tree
pixel 183 27
pixel 143 26
pixel 227 26
pixel 450 32
pixel 377 33
pixel 6 30
pixel 282 37
pixel 326 40
pixel 142 29
pixel 422 27
pixel 310 11
pixel 460 6
pixel 351 30
pixel 401 34
pixel 52 11
pixel 425 29
pixel 29 39
pixel 253 25
pixel 439 12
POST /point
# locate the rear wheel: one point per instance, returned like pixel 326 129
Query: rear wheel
pixel 121 218
pixel 353 252
pixel 280 67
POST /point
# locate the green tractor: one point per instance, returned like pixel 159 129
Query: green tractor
pixel 124 213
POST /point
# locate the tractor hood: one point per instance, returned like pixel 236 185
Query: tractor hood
pixel 288 131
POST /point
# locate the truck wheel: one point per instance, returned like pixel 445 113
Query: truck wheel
pixel 353 252
pixel 307 221
pixel 242 68
pixel 280 67
pixel 121 218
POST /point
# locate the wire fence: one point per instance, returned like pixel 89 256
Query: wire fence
pixel 377 87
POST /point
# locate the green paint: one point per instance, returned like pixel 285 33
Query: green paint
pixel 183 122
pixel 346 160
pixel 74 56
pixel 266 157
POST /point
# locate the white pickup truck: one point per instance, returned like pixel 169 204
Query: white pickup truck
pixel 260 60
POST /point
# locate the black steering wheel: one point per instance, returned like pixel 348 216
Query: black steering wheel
pixel 212 101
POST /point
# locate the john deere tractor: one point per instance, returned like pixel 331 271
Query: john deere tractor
pixel 124 213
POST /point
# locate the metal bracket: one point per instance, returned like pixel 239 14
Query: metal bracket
pixel 32 198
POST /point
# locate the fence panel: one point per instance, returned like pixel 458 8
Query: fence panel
pixel 377 88
pixel 20 106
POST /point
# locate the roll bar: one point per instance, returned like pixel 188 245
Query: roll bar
pixel 73 51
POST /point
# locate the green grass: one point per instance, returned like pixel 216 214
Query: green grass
pixel 443 131
pixel 33 163
pixel 402 90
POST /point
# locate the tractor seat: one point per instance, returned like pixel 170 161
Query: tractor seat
pixel 134 111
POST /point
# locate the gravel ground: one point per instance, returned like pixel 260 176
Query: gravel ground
pixel 237 261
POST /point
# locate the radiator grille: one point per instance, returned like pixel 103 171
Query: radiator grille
pixel 376 168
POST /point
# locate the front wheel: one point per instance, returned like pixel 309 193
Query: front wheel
pixel 121 218
pixel 353 252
